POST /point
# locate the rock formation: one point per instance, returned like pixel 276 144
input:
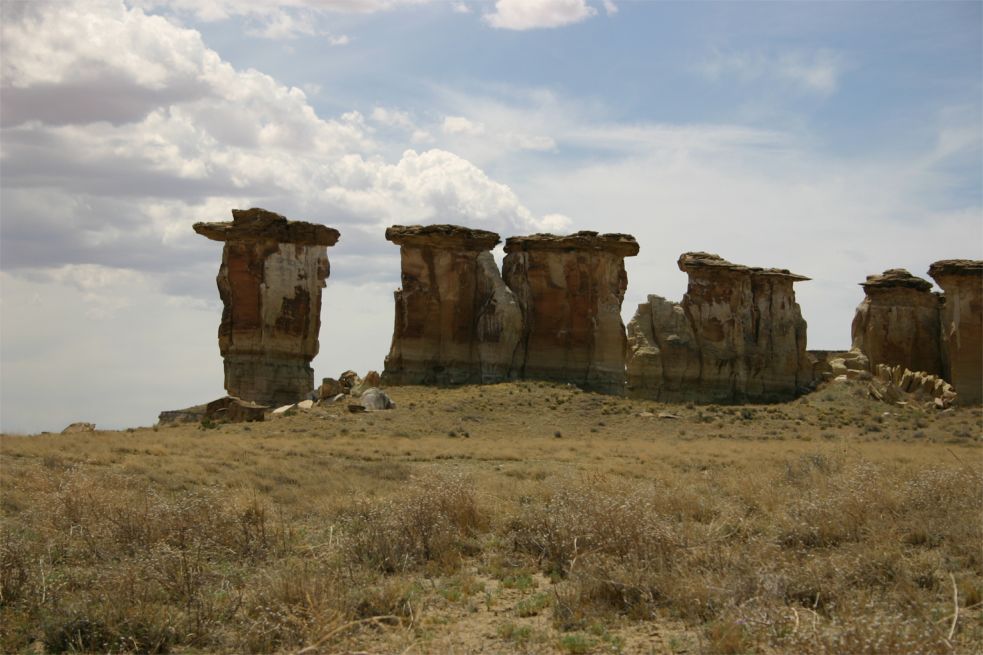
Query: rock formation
pixel 962 325
pixel 737 336
pixel 270 282
pixel 897 385
pixel 456 321
pixel 570 290
pixel 897 324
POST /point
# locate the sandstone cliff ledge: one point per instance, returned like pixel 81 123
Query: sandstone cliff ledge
pixel 962 325
pixel 737 336
pixel 570 290
pixel 897 324
pixel 456 321
pixel 270 282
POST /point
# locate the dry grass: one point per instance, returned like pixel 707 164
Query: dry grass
pixel 460 522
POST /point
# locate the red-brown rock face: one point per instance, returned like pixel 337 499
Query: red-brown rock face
pixel 737 336
pixel 456 321
pixel 897 324
pixel 270 282
pixel 962 325
pixel 570 289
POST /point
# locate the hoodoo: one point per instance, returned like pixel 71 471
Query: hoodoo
pixel 897 324
pixel 270 282
pixel 456 321
pixel 570 289
pixel 962 325
pixel 737 336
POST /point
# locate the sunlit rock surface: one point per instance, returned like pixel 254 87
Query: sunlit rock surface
pixel 897 324
pixel 570 289
pixel 737 336
pixel 270 283
pixel 962 325
pixel 456 321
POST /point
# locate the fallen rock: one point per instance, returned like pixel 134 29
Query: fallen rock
pixel 570 290
pixel 270 283
pixel 376 399
pixel 81 426
pixel 329 388
pixel 456 320
pixel 330 401
pixel 897 323
pixel 305 404
pixel 186 415
pixel 737 336
pixel 235 410
pixel 962 325
pixel 899 385
pixel 371 379
pixel 348 380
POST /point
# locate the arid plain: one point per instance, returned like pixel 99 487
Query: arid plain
pixel 519 517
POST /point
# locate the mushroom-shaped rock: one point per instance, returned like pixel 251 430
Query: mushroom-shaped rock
pixel 962 325
pixel 270 282
pixel 570 289
pixel 897 324
pixel 455 322
pixel 737 336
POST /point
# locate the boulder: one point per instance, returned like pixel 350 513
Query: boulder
pixel 737 336
pixel 186 415
pixel 900 385
pixel 270 282
pixel 376 399
pixel 235 410
pixel 569 290
pixel 456 322
pixel 897 323
pixel 329 388
pixel 81 426
pixel 962 325
pixel 348 380
pixel 371 379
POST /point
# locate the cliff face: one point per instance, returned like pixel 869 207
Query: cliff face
pixel 897 324
pixel 570 290
pixel 270 283
pixel 962 325
pixel 456 321
pixel 738 335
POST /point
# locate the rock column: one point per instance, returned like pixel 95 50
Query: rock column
pixel 570 289
pixel 738 335
pixel 456 321
pixel 962 325
pixel 270 283
pixel 897 324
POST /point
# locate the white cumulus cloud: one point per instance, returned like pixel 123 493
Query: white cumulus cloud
pixel 538 14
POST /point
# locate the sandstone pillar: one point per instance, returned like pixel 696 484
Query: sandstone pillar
pixel 456 321
pixel 570 289
pixel 962 325
pixel 737 336
pixel 270 283
pixel 898 322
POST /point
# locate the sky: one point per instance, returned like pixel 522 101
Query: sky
pixel 833 139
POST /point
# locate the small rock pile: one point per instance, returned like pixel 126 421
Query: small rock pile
pixel 897 385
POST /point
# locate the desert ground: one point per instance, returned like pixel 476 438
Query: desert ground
pixel 524 517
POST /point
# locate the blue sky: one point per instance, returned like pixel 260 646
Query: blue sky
pixel 834 139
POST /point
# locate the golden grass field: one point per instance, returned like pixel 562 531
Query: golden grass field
pixel 520 517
